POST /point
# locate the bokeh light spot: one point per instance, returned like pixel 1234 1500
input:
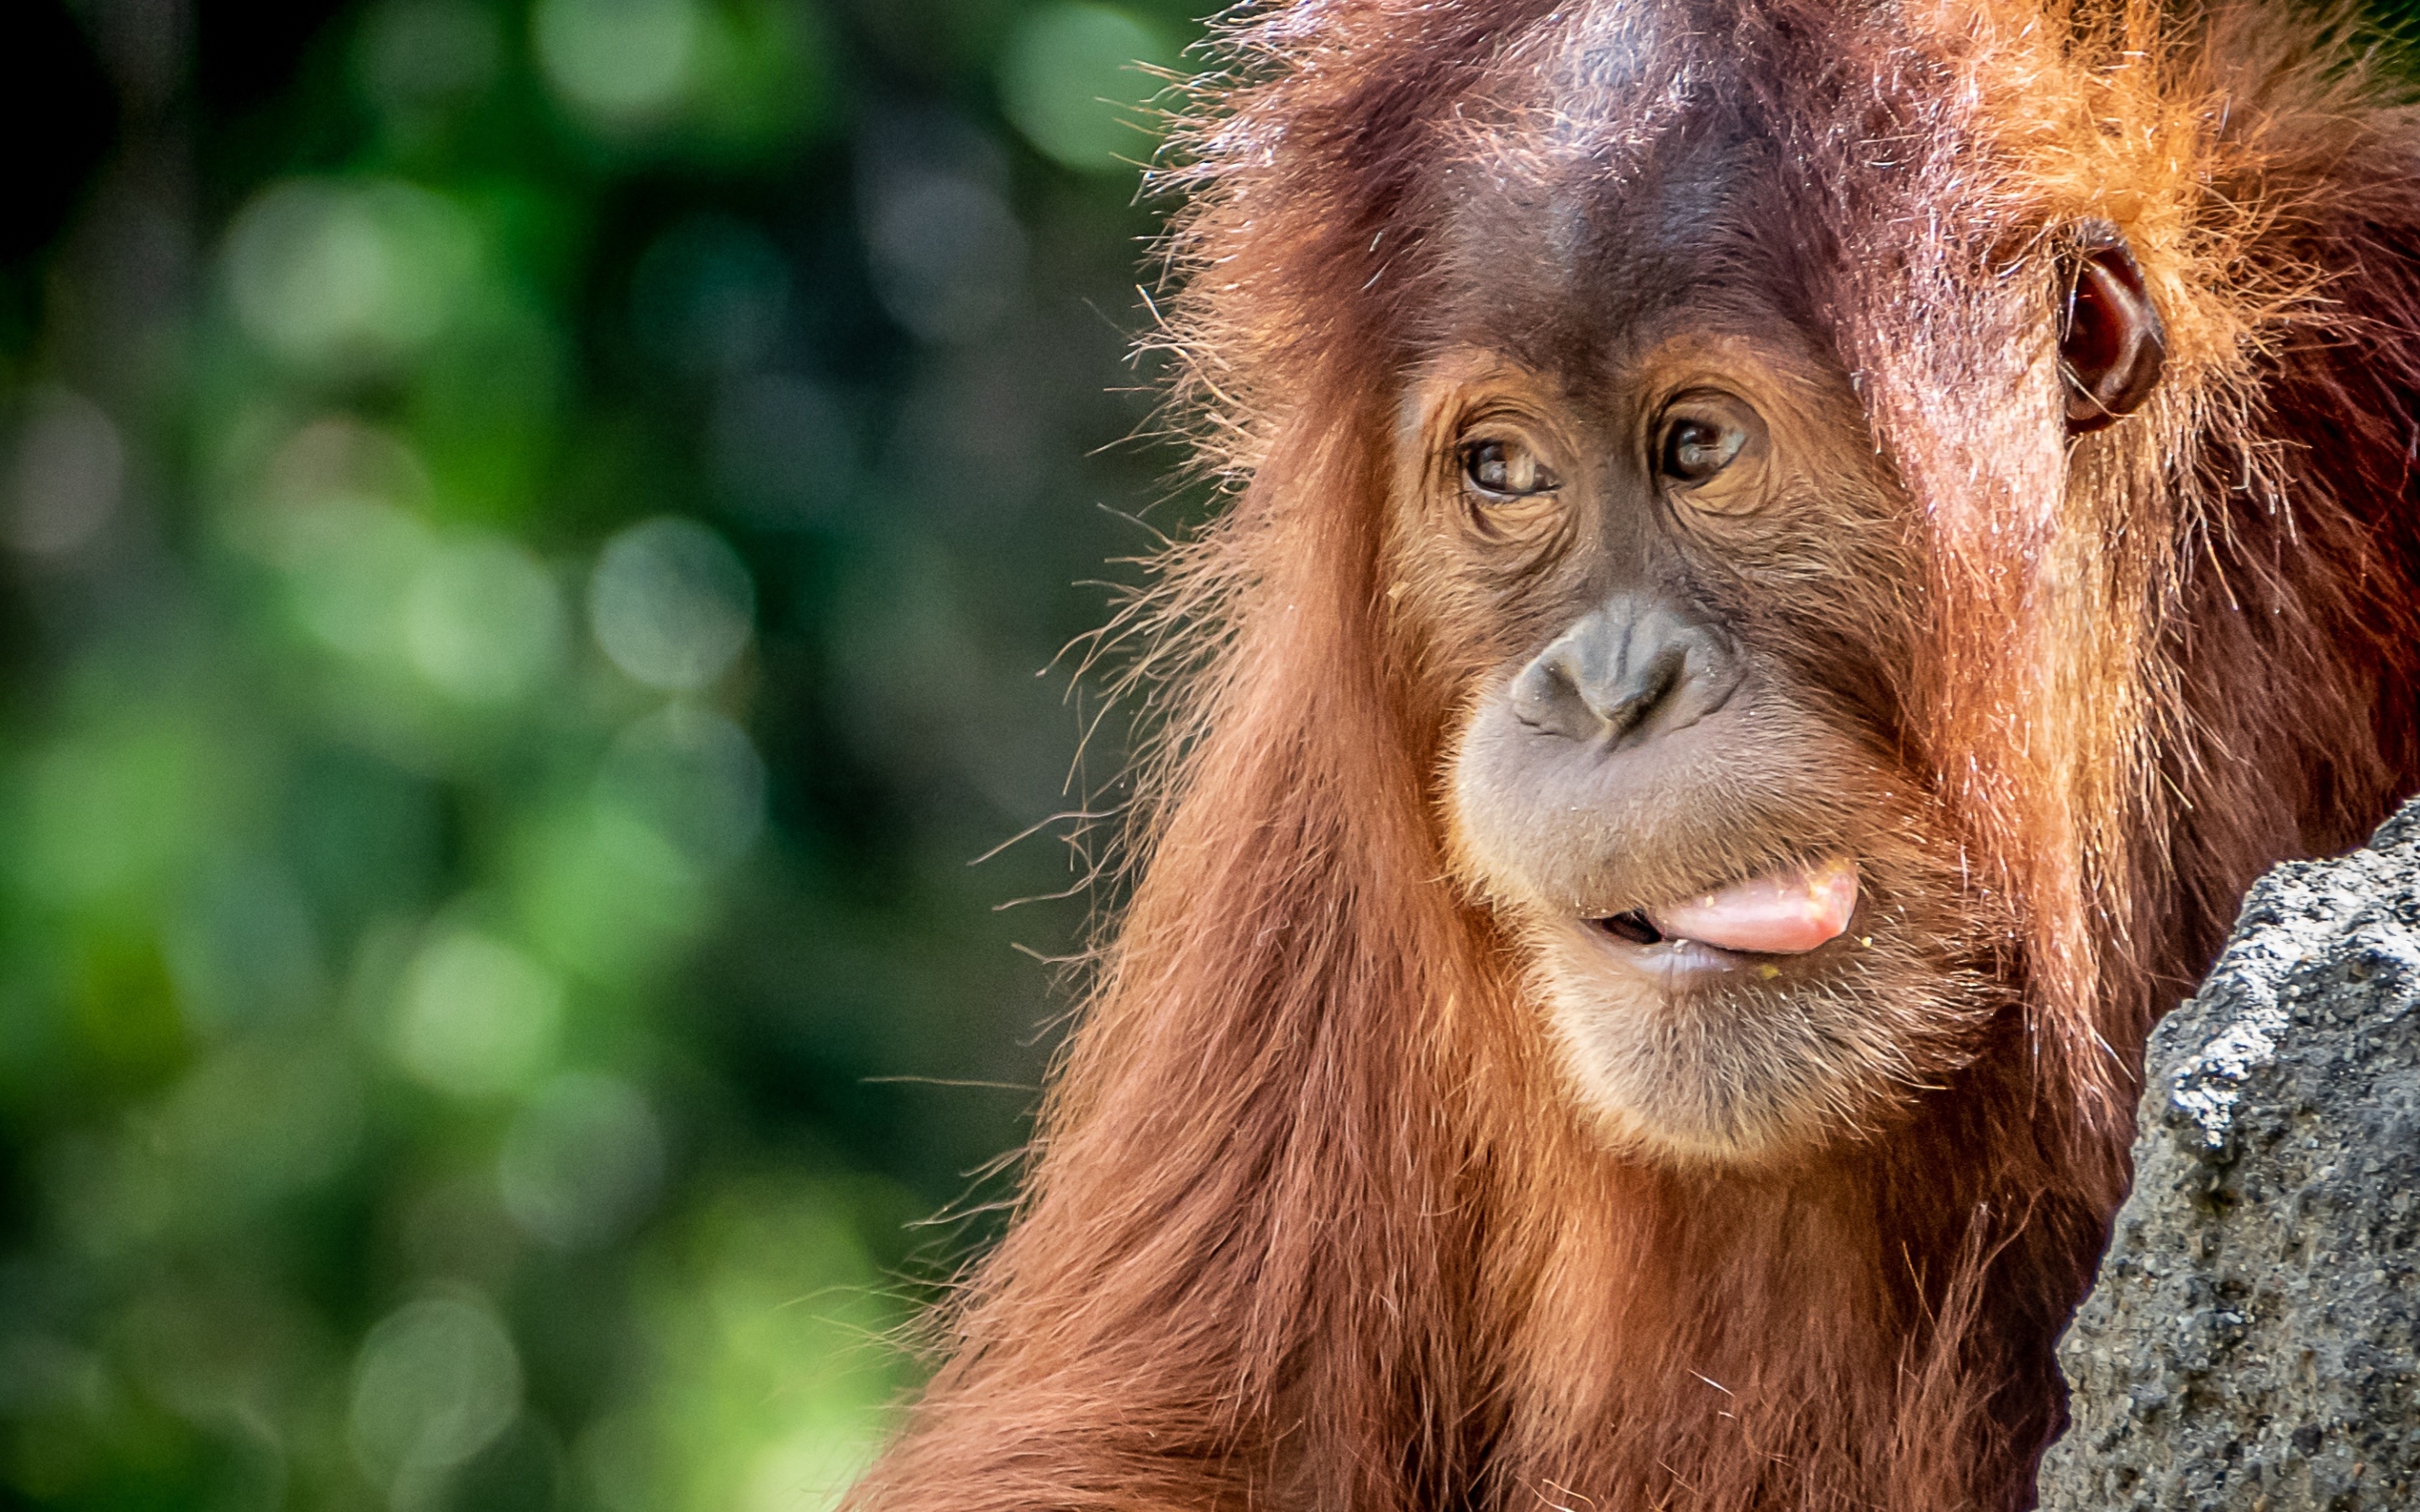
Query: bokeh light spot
pixel 342 274
pixel 435 1383
pixel 693 777
pixel 948 253
pixel 476 1016
pixel 482 620
pixel 605 895
pixel 670 603
pixel 1074 80
pixel 355 564
pixel 113 812
pixel 582 1162
pixel 623 62
pixel 64 482
pixel 334 458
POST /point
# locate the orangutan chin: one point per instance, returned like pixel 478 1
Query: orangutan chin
pixel 1791 562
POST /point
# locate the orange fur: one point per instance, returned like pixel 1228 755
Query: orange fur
pixel 1312 1222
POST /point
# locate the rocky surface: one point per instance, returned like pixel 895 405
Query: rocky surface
pixel 2253 1340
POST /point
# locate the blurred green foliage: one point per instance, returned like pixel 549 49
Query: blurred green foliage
pixel 531 530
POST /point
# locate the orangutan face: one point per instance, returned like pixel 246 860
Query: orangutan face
pixel 1671 774
pixel 1667 593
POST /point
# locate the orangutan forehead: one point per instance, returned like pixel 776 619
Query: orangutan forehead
pixel 1607 177
pixel 1570 267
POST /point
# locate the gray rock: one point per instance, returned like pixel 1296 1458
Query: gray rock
pixel 2253 1340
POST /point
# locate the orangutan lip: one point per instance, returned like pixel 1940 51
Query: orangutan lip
pixel 1637 938
pixel 1639 947
pixel 1638 941
pixel 1789 911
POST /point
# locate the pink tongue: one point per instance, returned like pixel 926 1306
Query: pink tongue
pixel 1781 913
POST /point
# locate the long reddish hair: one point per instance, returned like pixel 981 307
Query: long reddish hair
pixel 1311 1220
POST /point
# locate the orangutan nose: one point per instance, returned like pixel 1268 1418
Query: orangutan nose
pixel 1626 673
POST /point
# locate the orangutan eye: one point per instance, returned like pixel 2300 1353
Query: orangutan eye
pixel 1696 450
pixel 1709 448
pixel 1506 469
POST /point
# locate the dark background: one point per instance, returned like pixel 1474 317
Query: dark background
pixel 536 537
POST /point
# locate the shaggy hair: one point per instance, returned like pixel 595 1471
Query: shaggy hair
pixel 1314 1221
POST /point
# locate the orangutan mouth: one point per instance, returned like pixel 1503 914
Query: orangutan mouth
pixel 1788 912
pixel 1634 926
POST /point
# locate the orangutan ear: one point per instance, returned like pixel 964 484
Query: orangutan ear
pixel 2111 343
